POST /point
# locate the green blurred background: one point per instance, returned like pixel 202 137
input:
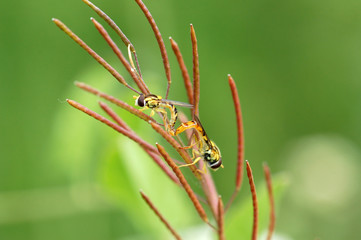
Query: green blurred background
pixel 297 67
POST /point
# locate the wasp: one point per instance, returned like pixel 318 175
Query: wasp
pixel 157 103
pixel 207 149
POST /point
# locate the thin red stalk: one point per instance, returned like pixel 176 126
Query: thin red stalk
pixel 160 41
pixel 240 137
pixel 184 182
pixel 111 23
pixel 111 124
pixel 183 68
pixel 99 59
pixel 254 200
pixel 152 152
pixel 114 116
pixel 210 191
pixel 163 166
pixel 160 216
pixel 196 83
pixel 220 219
pixel 144 89
pixel 177 147
pixel 115 101
pixel 272 222
pixel 115 27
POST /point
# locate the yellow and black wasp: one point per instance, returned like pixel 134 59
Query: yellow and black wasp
pixel 207 149
pixel 157 104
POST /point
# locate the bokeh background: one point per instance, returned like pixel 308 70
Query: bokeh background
pixel 297 67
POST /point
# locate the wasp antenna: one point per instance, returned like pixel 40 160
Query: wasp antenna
pixel 131 59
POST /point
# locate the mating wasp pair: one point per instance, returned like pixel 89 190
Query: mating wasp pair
pixel 207 149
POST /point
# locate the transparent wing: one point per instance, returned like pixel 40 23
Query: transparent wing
pixel 182 104
pixel 202 131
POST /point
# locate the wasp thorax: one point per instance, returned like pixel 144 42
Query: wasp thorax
pixel 140 101
pixel 211 155
pixel 152 101
pixel 207 156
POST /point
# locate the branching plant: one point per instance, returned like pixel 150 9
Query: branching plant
pixel 171 166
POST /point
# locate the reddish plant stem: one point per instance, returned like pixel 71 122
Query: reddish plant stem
pixel 240 133
pixel 115 27
pixel 240 137
pixel 143 88
pixel 272 222
pixel 99 59
pixel 183 68
pixel 114 100
pixel 184 183
pixel 160 41
pixel 114 116
pixel 152 151
pixel 254 200
pixel 111 23
pixel 163 166
pixel 220 219
pixel 162 219
pixel 209 190
pixel 154 154
pixel 196 82
pixel 112 125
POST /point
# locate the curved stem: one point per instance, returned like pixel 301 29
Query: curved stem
pixel 254 200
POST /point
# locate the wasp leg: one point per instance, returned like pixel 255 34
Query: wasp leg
pixel 190 146
pixel 151 113
pixel 190 164
pixel 204 170
pixel 168 128
pixel 143 108
pixel 197 140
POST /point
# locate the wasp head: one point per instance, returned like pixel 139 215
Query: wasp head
pixel 213 156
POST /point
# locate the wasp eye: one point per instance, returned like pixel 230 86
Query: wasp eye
pixel 140 101
pixel 215 165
